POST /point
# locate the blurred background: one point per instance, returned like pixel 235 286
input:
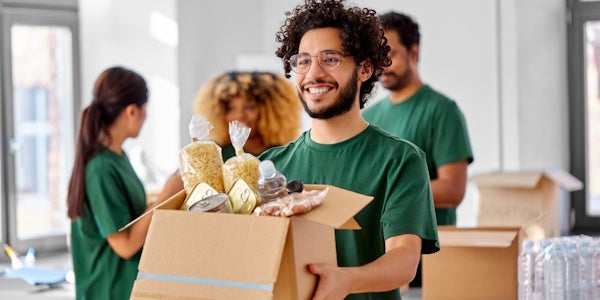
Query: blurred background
pixel 524 73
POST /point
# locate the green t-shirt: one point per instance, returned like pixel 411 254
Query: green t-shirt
pixel 228 152
pixel 435 124
pixel 372 163
pixel 115 196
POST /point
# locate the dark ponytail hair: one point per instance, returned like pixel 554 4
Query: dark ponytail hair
pixel 114 90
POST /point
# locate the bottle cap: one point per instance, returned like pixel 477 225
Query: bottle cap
pixel 266 168
pixel 295 186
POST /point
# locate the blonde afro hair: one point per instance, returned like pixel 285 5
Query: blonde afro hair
pixel 277 99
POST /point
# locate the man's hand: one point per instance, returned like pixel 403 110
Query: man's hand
pixel 332 284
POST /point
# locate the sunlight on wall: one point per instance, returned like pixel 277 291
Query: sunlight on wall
pixel 164 29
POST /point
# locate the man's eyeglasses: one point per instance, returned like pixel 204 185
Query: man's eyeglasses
pixel 329 60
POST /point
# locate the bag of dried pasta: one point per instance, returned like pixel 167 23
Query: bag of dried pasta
pixel 243 165
pixel 201 160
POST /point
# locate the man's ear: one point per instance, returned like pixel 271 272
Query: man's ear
pixel 366 71
pixel 414 53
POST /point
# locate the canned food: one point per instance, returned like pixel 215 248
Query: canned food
pixel 199 192
pixel 215 203
pixel 243 198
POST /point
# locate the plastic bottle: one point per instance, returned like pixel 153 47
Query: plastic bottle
pixel 572 275
pixel 15 261
pixel 596 271
pixel 539 285
pixel 30 257
pixel 586 268
pixel 555 272
pixel 527 270
pixel 271 183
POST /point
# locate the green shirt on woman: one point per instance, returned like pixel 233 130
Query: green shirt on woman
pixel 115 196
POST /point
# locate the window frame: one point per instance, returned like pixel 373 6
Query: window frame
pixel 578 14
pixel 37 13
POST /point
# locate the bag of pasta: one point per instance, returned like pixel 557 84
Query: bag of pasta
pixel 201 160
pixel 243 165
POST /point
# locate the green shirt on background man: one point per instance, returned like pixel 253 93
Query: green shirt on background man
pixel 435 124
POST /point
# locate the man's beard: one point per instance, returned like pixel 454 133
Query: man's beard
pixel 401 81
pixel 343 104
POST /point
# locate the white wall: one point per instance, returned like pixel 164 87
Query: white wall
pixel 141 35
pixel 503 61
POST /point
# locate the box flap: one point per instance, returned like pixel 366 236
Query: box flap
pixel 174 202
pixel 510 179
pixel 566 181
pixel 251 262
pixel 477 237
pixel 338 208
pixel 528 179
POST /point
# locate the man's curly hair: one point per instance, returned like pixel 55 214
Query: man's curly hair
pixel 361 33
pixel 277 100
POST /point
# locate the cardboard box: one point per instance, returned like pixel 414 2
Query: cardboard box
pixel 515 198
pixel 473 263
pixel 195 255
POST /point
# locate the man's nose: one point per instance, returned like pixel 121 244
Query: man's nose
pixel 314 70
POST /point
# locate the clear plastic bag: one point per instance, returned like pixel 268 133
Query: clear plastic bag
pixel 292 204
pixel 243 165
pixel 201 160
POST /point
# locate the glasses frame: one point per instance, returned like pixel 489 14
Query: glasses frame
pixel 293 61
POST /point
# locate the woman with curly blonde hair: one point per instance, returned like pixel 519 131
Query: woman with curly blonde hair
pixel 264 101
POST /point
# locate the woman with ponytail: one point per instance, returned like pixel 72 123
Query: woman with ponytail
pixel 105 193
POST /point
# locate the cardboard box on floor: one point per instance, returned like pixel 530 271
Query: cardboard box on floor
pixel 473 263
pixel 193 255
pixel 516 198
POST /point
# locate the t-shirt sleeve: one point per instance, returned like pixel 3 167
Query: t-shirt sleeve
pixel 107 199
pixel 451 136
pixel 409 208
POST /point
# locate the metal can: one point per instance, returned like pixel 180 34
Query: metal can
pixel 199 192
pixel 243 198
pixel 215 203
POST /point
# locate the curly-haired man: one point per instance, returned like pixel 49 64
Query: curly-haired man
pixel 337 54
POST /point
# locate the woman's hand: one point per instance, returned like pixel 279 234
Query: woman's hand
pixel 173 185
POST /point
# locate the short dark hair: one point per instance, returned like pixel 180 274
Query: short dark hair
pixel 362 35
pixel 404 25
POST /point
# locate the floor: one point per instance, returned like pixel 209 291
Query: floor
pixel 16 289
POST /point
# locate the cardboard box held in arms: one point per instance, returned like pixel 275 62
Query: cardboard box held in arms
pixel 197 255
pixel 519 198
pixel 473 263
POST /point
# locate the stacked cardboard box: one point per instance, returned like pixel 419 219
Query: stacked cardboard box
pixel 473 263
pixel 523 198
pixel 481 262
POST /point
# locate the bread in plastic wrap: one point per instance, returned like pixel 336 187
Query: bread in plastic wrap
pixel 292 204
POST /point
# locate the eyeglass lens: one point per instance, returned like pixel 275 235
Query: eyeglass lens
pixel 329 60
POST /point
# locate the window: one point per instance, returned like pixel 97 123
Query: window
pixel 40 98
pixel 584 104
